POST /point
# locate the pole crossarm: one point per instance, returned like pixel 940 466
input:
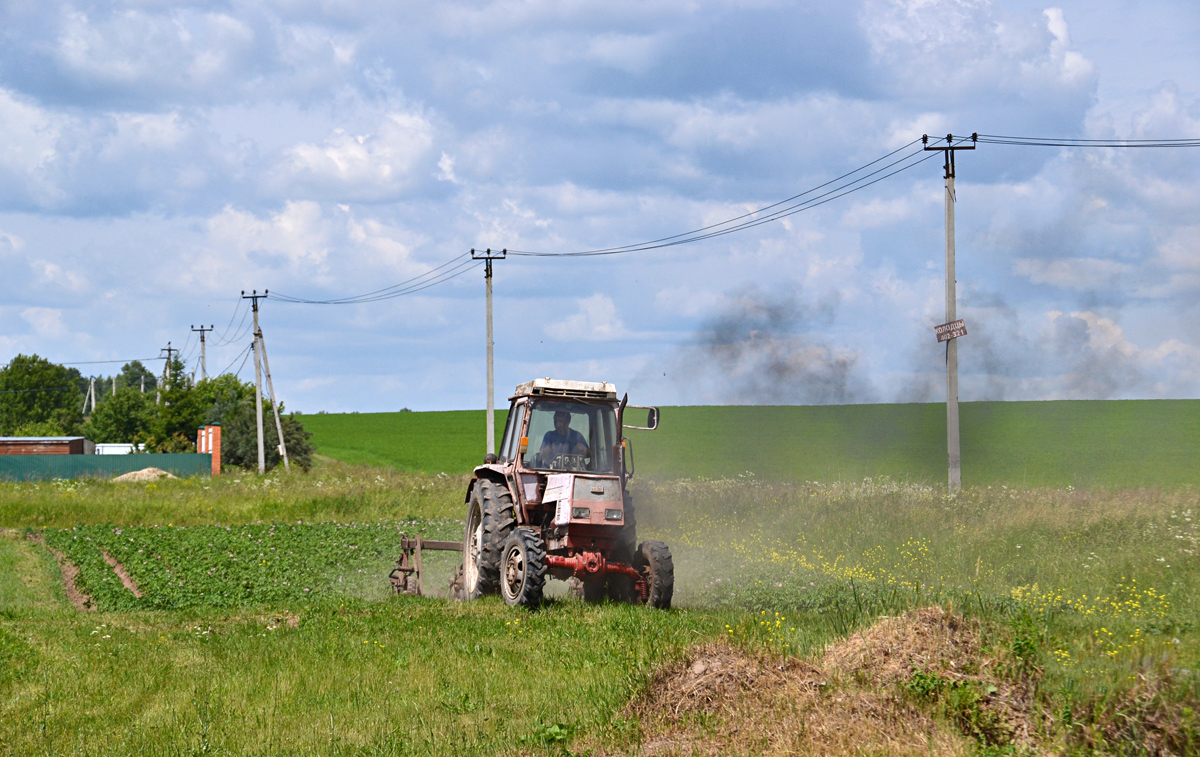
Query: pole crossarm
pixel 950 148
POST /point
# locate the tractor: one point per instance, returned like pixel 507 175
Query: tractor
pixel 554 503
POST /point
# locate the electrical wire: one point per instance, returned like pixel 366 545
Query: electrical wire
pixel 221 341
pixel 998 139
pixel 816 201
pixel 458 265
pixel 43 389
pixel 243 365
pixel 88 362
pixel 241 332
pixel 235 359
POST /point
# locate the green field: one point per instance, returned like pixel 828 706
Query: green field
pixel 1125 443
pixel 265 625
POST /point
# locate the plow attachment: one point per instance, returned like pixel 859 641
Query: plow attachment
pixel 407 576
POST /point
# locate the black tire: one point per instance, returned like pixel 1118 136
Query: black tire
pixel 491 517
pixel 653 561
pixel 523 569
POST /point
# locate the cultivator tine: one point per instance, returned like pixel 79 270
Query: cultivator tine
pixel 408 575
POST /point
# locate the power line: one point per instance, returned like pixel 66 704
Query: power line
pixel 87 362
pixel 452 268
pixel 237 309
pixel 43 389
pixel 998 139
pixel 790 208
pixel 241 332
pixel 235 359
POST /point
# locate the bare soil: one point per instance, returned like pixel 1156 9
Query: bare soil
pixel 724 700
pixel 77 596
pixel 126 579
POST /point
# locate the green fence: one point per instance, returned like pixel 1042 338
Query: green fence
pixel 47 467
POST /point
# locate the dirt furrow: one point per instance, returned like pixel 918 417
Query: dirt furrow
pixel 78 597
pixel 126 579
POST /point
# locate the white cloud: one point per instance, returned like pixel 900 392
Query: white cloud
pixel 595 321
pixel 46 322
pixel 372 164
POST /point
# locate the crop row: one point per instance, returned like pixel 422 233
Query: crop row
pixel 228 566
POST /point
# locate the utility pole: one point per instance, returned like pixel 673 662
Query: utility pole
pixel 166 373
pixel 953 452
pixel 274 401
pixel 258 419
pixel 487 257
pixel 262 366
pixel 90 396
pixel 203 364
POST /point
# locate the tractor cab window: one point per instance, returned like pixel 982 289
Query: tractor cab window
pixel 571 436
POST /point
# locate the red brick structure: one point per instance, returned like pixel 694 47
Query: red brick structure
pixel 208 441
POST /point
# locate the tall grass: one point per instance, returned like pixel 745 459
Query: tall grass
pixel 1093 589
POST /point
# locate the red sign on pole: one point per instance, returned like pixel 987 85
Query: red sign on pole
pixel 952 330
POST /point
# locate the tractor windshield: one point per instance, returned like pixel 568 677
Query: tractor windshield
pixel 571 436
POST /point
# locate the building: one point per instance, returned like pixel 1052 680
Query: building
pixel 46 445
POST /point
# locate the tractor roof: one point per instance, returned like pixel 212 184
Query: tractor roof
pixel 548 387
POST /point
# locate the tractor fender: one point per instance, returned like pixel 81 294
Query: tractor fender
pixel 489 472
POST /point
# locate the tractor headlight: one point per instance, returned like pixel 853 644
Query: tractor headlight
pixel 581 512
pixel 612 514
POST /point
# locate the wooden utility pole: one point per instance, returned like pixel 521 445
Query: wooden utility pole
pixel 203 364
pixel 254 297
pixel 953 453
pixel 487 257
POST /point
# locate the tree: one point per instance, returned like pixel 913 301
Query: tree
pixel 131 375
pixel 233 407
pixel 179 413
pixel 123 418
pixel 35 391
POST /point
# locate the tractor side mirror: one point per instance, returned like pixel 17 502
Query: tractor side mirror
pixel 651 418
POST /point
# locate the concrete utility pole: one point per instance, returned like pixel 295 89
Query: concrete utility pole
pixel 166 373
pixel 203 364
pixel 487 257
pixel 953 453
pixel 274 401
pixel 262 366
pixel 258 419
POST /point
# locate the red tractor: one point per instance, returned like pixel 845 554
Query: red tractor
pixel 554 503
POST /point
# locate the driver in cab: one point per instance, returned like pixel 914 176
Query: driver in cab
pixel 562 439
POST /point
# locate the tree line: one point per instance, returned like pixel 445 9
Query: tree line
pixel 41 398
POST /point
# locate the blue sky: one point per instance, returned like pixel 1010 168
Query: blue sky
pixel 158 158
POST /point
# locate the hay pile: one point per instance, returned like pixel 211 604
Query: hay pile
pixel 722 700
pixel 145 474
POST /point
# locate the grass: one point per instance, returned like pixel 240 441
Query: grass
pixel 1119 443
pixel 1092 591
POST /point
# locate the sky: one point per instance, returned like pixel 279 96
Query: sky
pixel 158 158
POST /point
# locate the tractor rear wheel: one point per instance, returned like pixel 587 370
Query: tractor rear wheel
pixel 490 519
pixel 523 569
pixel 653 561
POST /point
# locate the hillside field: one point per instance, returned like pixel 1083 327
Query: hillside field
pixel 1115 443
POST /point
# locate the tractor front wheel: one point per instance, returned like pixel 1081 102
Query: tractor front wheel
pixel 653 561
pixel 490 519
pixel 523 569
